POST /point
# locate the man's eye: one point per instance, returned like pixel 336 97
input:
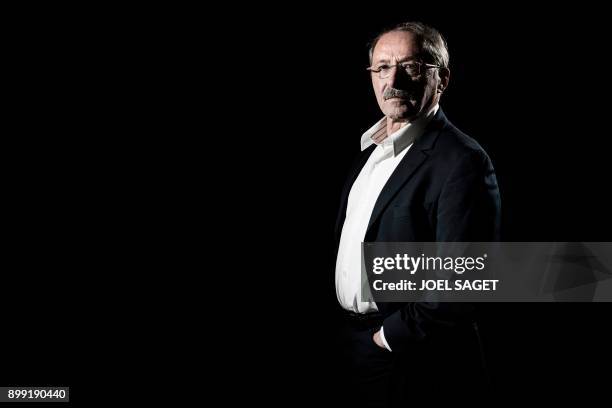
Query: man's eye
pixel 383 67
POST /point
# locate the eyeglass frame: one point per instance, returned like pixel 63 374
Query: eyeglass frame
pixel 420 64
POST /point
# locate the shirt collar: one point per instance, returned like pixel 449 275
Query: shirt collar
pixel 400 139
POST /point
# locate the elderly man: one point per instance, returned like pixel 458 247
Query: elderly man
pixel 418 179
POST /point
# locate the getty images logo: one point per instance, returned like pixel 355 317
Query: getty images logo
pixel 412 264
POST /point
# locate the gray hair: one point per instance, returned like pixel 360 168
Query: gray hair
pixel 432 44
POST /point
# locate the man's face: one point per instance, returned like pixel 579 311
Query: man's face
pixel 416 94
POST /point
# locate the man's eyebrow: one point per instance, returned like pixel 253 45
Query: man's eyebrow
pixel 386 61
pixel 414 57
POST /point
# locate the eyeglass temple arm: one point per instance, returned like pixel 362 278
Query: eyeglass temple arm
pixel 427 65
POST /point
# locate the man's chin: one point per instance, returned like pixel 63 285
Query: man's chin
pixel 400 108
pixel 399 113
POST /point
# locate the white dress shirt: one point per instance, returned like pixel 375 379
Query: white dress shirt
pixel 361 200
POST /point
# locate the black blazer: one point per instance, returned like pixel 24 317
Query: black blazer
pixel 444 190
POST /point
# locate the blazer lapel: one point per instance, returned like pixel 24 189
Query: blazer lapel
pixel 413 159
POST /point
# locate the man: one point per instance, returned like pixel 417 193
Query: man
pixel 418 179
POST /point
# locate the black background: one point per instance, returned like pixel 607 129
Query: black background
pixel 528 85
pixel 134 122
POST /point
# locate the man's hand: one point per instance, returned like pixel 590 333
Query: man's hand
pixel 378 340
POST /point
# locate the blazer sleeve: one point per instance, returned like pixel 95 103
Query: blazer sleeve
pixel 468 210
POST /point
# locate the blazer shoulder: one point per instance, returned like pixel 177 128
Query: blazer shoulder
pixel 453 145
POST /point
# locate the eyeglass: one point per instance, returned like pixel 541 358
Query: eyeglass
pixel 413 68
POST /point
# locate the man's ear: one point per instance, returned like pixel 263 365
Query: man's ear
pixel 444 79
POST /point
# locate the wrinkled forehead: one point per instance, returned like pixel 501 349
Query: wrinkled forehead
pixel 396 46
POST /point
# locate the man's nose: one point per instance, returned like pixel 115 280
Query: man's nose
pixel 398 78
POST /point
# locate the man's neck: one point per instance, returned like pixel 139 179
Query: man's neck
pixel 395 125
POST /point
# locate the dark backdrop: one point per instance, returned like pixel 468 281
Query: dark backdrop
pixel 528 85
pixel 265 130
